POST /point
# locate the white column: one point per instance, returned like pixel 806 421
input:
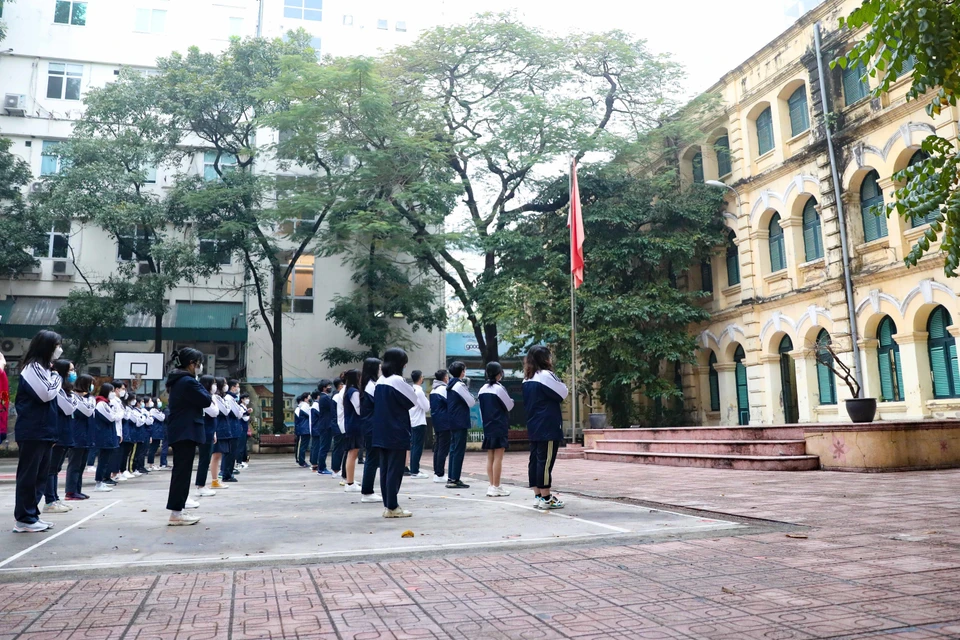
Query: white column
pixel 807 393
pixel 870 367
pixel 772 408
pixel 915 360
pixel 729 409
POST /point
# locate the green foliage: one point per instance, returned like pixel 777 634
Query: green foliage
pixel 926 34
pixel 642 236
pixel 3 24
pixel 88 319
pixel 19 229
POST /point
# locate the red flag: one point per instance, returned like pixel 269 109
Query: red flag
pixel 575 223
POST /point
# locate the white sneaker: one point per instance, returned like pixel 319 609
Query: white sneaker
pixel 396 513
pixel 439 479
pixel 90 470
pixel 103 487
pixel 55 507
pixel 371 498
pixel 352 488
pixel 23 527
pixel 244 465
pixel 191 504
pixel 204 492
pixel 502 492
pixel 420 475
pixel 182 520
pixel 492 492
pixel 120 478
pixel 128 475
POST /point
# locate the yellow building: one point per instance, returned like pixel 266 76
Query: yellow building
pixel 780 287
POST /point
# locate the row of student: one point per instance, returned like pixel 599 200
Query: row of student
pixel 226 423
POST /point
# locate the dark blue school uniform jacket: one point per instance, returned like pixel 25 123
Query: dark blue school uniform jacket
pixel 66 407
pixel 351 418
pixel 542 396
pixel 438 408
pixel 105 425
pixel 158 430
pixel 366 408
pixel 393 399
pixel 224 432
pixel 37 404
pixel 328 413
pixel 301 421
pixel 459 402
pixel 84 425
pixel 187 401
pixel 495 406
pixel 237 430
pixel 316 427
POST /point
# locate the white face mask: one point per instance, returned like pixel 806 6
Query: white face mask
pixel 246 401
pixel 224 389
pixel 57 352
pixel 122 393
pixel 112 396
pixel 149 405
pixel 199 369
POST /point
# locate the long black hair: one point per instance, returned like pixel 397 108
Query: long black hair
pixel 220 383
pixel 63 368
pixel 105 390
pixel 41 349
pixel 371 371
pixel 183 358
pixel 206 380
pixel 538 359
pixel 84 383
pixel 394 360
pixel 351 378
pixel 493 370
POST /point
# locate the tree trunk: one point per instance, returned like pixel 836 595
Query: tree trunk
pixel 158 334
pixel 278 405
pixel 492 352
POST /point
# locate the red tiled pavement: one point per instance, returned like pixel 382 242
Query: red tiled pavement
pixel 882 560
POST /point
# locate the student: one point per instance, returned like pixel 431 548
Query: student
pixel 164 444
pixel 129 434
pixel 157 434
pixel 339 452
pixel 459 403
pixel 229 467
pixel 119 410
pixel 107 438
pixel 328 419
pixel 84 434
pixel 301 428
pixel 353 429
pixel 495 407
pixel 245 423
pixel 418 425
pixel 185 429
pixel 36 427
pixel 66 406
pixel 371 461
pixel 211 415
pixel 542 395
pixel 441 428
pixel 316 429
pixel 394 398
pixel 144 423
pixel 221 443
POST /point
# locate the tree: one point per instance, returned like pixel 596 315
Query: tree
pixel 88 319
pixel 920 38
pixel 474 121
pixel 644 235
pixel 3 25
pixel 20 229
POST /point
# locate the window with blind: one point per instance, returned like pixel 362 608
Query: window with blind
pixel 733 260
pixel 942 348
pixel 916 159
pixel 855 87
pixel 888 359
pixel 778 255
pixel 743 395
pixel 812 235
pixel 697 166
pixel 765 131
pixel 871 201
pixel 799 114
pixel 722 149
pixel 714 379
pixel 826 385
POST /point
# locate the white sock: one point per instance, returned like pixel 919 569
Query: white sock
pixel 176 514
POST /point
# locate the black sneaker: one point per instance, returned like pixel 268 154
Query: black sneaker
pixel 457 484
pixel 112 483
pixel 229 480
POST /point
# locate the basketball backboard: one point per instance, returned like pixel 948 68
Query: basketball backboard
pixel 128 365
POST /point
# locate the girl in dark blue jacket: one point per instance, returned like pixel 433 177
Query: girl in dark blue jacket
pixel 185 428
pixel 441 430
pixel 495 406
pixel 36 428
pixel 459 403
pixel 211 417
pixel 353 429
pixel 107 438
pixel 66 407
pixel 543 394
pixel 393 399
pixel 371 461
pixel 83 437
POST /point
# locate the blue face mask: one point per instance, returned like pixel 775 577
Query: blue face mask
pixel 72 377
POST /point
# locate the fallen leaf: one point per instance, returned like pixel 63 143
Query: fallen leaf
pixel 930 533
pixel 407 534
pixel 726 590
pixel 798 536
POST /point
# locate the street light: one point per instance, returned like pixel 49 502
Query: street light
pixel 724 185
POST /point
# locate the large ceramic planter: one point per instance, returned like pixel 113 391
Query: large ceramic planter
pixel 861 409
pixel 598 421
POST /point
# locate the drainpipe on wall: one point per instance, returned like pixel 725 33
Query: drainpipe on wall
pixel 845 262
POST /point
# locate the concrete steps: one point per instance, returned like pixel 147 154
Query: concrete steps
pixel 777 448
pixel 571 452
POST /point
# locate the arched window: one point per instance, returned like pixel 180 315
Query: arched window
pixel 778 256
pixel 743 395
pixel 799 114
pixel 714 379
pixel 765 131
pixel 825 382
pixel 733 260
pixel 812 236
pixel 855 87
pixel 917 158
pixel 943 355
pixel 697 162
pixel 722 149
pixel 788 381
pixel 874 226
pixel 888 357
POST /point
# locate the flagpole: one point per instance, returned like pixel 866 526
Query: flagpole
pixel 573 354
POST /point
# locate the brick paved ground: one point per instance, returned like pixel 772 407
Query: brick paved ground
pixel 882 560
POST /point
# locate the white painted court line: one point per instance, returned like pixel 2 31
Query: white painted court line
pixel 56 535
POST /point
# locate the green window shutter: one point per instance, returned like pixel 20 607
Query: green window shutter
pixel 954 370
pixel 733 261
pixel 697 163
pixel 855 87
pixel 871 197
pixel 812 235
pixel 799 114
pixel 722 149
pixel 938 323
pixel 765 131
pixel 888 355
pixel 886 374
pixel 938 368
pixel 743 394
pixel 714 378
pixel 777 256
pixel 898 395
pixel 915 159
pixel 825 379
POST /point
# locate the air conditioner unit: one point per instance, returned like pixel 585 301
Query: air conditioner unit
pixel 226 352
pixel 11 348
pixel 15 104
pixel 34 187
pixel 143 268
pixel 33 270
pixel 64 269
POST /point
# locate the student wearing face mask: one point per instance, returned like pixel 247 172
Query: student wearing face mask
pixel 139 432
pixel 418 424
pixel 119 410
pixel 495 407
pixel 339 452
pixel 84 437
pixel 394 397
pixel 157 434
pixel 245 423
pixel 371 462
pixel 185 429
pixel 301 429
pixel 66 406
pixel 316 429
pixel 211 416
pixel 459 403
pixel 107 439
pixel 353 429
pixel 36 427
pixel 130 434
pixel 221 446
pixel 327 416
pixel 441 428
pixel 228 467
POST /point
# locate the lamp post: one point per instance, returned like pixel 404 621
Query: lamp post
pixel 723 185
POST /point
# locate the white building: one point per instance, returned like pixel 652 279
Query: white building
pixel 55 51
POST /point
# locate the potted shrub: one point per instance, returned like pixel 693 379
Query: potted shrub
pixel 517 432
pixel 859 409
